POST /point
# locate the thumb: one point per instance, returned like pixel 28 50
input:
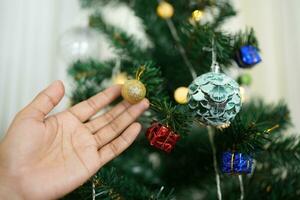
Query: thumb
pixel 45 101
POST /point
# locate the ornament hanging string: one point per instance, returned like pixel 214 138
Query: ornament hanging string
pixel 117 68
pixel 215 67
pixel 215 64
pixel 139 72
pixel 93 191
pixel 163 144
pixel 241 187
pixel 213 54
pixel 160 191
pixel 182 51
pixel 232 162
pixel 211 134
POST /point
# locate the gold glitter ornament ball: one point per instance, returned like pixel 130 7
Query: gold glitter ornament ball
pixel 133 91
pixel 165 10
pixel 180 95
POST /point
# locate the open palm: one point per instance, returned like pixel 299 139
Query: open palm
pixel 45 157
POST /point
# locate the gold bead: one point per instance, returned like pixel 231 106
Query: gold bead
pixel 197 15
pixel 133 91
pixel 120 78
pixel 223 126
pixel 165 10
pixel 180 95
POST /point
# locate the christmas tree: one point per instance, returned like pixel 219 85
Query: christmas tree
pixel 202 138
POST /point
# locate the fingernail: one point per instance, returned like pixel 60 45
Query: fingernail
pixel 145 103
pixel 57 82
pixel 57 85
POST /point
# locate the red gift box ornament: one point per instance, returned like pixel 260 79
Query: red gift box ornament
pixel 162 137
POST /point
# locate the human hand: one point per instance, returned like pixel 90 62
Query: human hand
pixel 46 157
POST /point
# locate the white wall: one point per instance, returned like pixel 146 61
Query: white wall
pixel 28 49
pixel 29 60
pixel 277 24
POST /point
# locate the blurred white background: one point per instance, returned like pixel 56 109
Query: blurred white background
pixel 29 57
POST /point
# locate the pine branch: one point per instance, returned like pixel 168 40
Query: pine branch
pixel 258 128
pixel 125 45
pixel 254 126
pixel 109 185
pixel 225 11
pixel 88 76
pixel 176 116
pixel 287 188
pixel 123 188
pixel 282 153
pixel 246 38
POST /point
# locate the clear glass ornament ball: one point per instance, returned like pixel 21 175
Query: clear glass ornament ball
pixel 79 43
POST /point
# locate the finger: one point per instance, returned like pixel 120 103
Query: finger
pixel 99 122
pixel 117 146
pixel 118 125
pixel 45 101
pixel 86 109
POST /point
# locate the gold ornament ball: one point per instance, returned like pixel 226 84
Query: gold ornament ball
pixel 165 10
pixel 197 15
pixel 133 91
pixel 180 95
pixel 120 78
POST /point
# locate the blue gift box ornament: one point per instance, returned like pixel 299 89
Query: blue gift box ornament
pixel 248 56
pixel 236 163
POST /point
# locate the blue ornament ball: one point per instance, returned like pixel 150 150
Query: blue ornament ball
pixel 215 98
pixel 248 56
pixel 236 163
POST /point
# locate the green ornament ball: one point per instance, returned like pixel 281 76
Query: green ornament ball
pixel 245 79
pixel 214 98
